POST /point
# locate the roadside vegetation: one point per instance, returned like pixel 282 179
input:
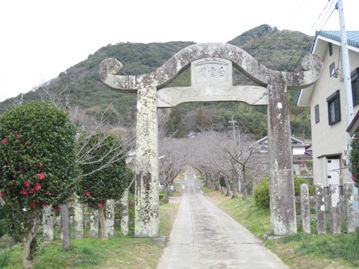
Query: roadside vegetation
pixel 123 252
pixel 298 251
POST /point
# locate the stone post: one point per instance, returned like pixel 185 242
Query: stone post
pixel 282 199
pixel 48 225
pixel 124 213
pixel 334 208
pixel 305 207
pixel 320 208
pixel 349 204
pixel 110 217
pixel 79 219
pixel 94 223
pixel 146 183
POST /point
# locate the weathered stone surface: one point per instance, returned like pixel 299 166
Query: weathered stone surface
pixel 350 213
pixel 320 208
pixel 110 217
pixel 94 223
pixel 146 183
pixel 110 68
pixel 212 65
pixel 282 203
pixel 252 95
pixel 79 219
pixel 305 207
pixel 125 225
pixel 334 208
pixel 48 225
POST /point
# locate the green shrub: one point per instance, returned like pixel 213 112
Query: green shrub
pixel 5 214
pixel 37 165
pixel 261 191
pixel 298 181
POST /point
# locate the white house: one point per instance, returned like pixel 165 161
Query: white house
pixel 326 99
pixel 301 153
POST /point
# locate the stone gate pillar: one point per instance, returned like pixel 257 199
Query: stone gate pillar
pixel 146 184
pixel 282 200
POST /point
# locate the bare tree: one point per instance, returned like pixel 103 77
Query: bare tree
pixel 172 158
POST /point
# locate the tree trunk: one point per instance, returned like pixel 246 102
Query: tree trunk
pixel 234 187
pixel 244 193
pixel 65 227
pixel 102 218
pixel 30 245
pixel 228 187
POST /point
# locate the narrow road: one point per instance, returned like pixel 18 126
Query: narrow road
pixel 204 237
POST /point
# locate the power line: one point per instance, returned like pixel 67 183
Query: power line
pixel 321 17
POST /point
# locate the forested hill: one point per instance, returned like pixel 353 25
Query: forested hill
pixel 80 85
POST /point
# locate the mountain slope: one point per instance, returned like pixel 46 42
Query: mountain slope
pixel 80 85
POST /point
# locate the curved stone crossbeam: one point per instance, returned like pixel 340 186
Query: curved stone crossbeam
pixel 111 69
pixel 252 95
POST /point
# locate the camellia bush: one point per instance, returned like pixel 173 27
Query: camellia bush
pixel 37 167
pixel 104 172
pixel 354 159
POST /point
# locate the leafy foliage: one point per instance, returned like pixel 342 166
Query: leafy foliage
pixel 38 166
pixel 106 175
pixel 354 159
pixel 262 190
pixel 261 194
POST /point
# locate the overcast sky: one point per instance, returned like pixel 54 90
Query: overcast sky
pixel 42 38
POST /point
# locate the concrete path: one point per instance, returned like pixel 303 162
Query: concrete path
pixel 204 237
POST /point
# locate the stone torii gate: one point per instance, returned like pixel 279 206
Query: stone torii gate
pixel 211 80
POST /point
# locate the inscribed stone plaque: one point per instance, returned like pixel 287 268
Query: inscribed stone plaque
pixel 211 72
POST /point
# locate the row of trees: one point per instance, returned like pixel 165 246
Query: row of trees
pixel 46 160
pixel 237 160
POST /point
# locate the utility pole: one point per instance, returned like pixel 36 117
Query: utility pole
pixel 347 82
pixel 345 65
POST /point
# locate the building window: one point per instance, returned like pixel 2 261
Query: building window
pixel 316 110
pixel 330 47
pixel 334 108
pixel 333 71
pixel 355 86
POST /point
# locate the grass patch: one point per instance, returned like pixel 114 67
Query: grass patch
pixel 118 252
pixel 298 251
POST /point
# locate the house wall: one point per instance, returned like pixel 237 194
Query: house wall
pixel 328 140
pixel 298 150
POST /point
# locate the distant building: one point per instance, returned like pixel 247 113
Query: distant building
pixel 301 154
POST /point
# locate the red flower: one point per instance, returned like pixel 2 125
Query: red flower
pixel 40 164
pixel 23 192
pixel 17 136
pixel 27 184
pixel 21 169
pixel 41 176
pixel 1 195
pixel 88 193
pixel 32 204
pixel 99 205
pixel 37 201
pixel 5 167
pixel 43 205
pixel 13 180
pixel 48 193
pixel 55 207
pixel 32 191
pixel 4 141
pixel 37 187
